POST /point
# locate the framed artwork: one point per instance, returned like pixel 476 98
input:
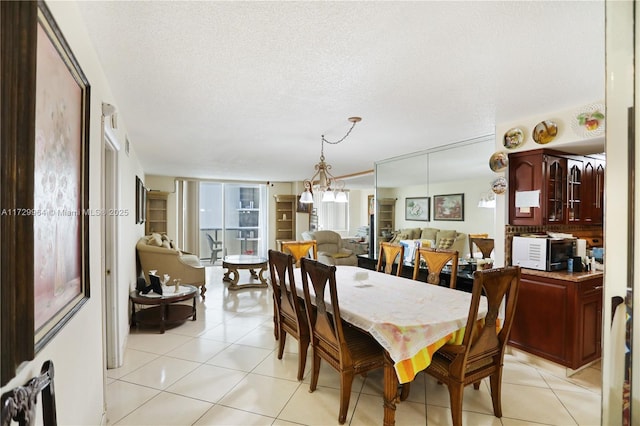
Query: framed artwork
pixel 44 173
pixel 417 208
pixel 61 180
pixel 303 207
pixel 448 207
pixel 141 201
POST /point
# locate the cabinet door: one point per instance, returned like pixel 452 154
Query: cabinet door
pixel 525 174
pixel 542 319
pixel 598 205
pixel 555 195
pixel 589 191
pixel 575 187
pixel 589 323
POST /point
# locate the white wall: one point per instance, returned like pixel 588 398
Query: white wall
pixel 77 351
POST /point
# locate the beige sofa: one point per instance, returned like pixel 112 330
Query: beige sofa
pixel 155 251
pixel 330 250
pixel 438 238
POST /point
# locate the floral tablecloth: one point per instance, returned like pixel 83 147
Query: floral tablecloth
pixel 410 319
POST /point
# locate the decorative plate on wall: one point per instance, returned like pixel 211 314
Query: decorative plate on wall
pixel 499 186
pixel 513 138
pixel 499 161
pixel 589 121
pixel 544 132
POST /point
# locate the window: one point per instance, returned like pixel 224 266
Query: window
pixel 331 215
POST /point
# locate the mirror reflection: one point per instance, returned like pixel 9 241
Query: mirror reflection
pixel 440 196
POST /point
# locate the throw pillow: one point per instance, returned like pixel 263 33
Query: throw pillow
pixel 155 240
pixel 427 243
pixel 400 236
pixel 446 243
pixel 340 255
pixel 166 244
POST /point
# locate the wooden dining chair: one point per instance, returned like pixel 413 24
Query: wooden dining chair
pixel 388 255
pixel 485 245
pixel 19 403
pixel 471 237
pixel 346 348
pixel 289 309
pixel 436 260
pixel 300 249
pixel 481 352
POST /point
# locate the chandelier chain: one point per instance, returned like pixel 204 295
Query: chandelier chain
pixel 353 124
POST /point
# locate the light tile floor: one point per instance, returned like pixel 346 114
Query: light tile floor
pixel 222 369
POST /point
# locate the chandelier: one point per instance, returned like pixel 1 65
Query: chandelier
pixel 322 180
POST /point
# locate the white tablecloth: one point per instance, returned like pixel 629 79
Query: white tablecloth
pixel 403 315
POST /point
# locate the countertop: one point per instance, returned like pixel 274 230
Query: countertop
pixel 564 275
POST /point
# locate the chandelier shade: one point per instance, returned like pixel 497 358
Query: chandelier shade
pixel 323 181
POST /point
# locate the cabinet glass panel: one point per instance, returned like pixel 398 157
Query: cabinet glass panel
pixel 555 193
pixel 574 191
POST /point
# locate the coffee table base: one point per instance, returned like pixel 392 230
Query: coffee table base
pixel 232 276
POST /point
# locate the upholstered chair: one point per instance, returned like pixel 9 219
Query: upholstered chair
pixel 330 250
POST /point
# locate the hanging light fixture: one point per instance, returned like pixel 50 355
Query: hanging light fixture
pixel 322 180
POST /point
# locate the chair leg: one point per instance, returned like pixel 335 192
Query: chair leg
pixel 346 381
pixel 303 346
pixel 281 342
pixel 456 391
pixel 495 381
pixel 315 372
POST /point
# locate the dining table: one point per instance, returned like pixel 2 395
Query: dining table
pixel 410 319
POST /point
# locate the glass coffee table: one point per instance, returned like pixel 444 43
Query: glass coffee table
pixel 165 308
pixel 234 263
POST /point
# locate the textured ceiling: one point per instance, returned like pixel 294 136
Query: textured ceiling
pixel 244 90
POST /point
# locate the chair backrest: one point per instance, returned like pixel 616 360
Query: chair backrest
pixel 300 249
pixel 496 284
pixel 388 255
pixel 471 237
pixel 327 335
pixel 283 284
pixel 210 240
pixel 485 245
pixel 328 241
pixel 436 259
pixel 19 404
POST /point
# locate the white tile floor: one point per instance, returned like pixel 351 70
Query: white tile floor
pixel 222 369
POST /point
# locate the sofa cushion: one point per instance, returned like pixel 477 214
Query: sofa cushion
pixel 446 234
pixel 428 233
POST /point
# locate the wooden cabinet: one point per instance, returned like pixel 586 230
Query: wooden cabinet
pixel 571 188
pixel 156 220
pixel 385 218
pixel 285 218
pixel 559 319
pixel 593 190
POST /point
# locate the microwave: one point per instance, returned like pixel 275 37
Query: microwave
pixel 544 254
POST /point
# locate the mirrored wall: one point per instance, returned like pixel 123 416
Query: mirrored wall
pixel 448 188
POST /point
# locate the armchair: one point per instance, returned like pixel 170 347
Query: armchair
pixel 170 261
pixel 330 249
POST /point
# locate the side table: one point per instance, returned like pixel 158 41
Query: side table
pixel 165 308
